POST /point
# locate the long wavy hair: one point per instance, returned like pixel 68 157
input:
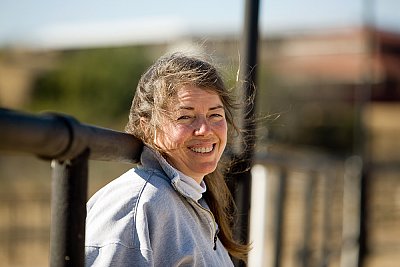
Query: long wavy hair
pixel 156 89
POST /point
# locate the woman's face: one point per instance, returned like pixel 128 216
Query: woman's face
pixel 194 138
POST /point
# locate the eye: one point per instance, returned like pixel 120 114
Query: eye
pixel 216 115
pixel 184 117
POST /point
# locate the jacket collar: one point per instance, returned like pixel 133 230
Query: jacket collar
pixel 185 185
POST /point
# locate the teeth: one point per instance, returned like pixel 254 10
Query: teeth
pixel 202 149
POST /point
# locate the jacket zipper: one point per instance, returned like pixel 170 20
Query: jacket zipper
pixel 215 230
pixel 215 239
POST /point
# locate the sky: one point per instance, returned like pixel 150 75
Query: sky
pixel 58 23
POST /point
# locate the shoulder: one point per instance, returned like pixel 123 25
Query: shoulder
pixel 123 194
pixel 135 183
pixel 112 211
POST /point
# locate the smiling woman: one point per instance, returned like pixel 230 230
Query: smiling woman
pixel 174 208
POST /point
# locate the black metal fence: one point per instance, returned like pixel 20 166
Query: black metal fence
pixel 69 144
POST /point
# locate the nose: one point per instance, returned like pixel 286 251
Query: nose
pixel 202 127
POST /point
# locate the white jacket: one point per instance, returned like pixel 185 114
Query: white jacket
pixel 152 216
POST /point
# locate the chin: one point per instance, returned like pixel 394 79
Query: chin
pixel 205 171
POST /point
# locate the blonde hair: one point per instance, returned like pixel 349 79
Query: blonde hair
pixel 156 88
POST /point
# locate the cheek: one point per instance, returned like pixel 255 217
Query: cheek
pixel 174 136
pixel 222 129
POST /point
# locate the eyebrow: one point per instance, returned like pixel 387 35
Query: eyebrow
pixel 192 108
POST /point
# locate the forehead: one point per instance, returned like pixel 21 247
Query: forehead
pixel 197 95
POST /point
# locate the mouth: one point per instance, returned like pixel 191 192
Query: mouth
pixel 203 149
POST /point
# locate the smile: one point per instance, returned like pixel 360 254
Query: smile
pixel 207 149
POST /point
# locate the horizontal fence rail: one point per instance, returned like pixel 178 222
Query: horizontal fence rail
pixel 58 136
pixel 70 145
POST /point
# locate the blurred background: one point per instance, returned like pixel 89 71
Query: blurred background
pixel 326 185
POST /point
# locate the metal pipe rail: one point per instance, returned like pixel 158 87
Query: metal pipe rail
pixel 61 137
pixel 70 145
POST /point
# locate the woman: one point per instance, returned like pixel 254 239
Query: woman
pixel 173 209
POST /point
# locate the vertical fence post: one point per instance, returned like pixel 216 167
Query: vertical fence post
pixel 328 191
pixel 351 212
pixel 240 174
pixel 279 213
pixel 68 211
pixel 305 252
pixel 259 217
